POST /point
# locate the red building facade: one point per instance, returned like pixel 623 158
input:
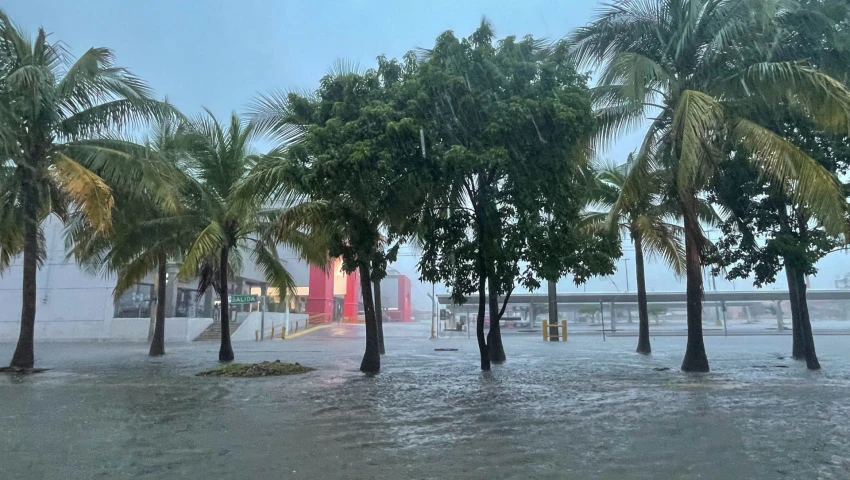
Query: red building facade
pixel 322 294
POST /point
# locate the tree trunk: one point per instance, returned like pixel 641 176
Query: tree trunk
pixel 379 317
pixel 225 353
pixel 372 357
pixel 495 347
pixel 24 356
pixel 479 324
pixel 552 293
pixel 798 348
pixel 806 325
pixel 643 346
pixel 158 340
pixel 695 358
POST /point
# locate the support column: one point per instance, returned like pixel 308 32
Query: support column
pixel 779 325
pixel 171 291
pixel 320 298
pixel 352 295
pixel 532 310
pixel 613 318
pixel 404 298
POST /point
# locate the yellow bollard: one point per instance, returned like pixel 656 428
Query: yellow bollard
pixel 545 330
pixel 564 329
pixel 283 333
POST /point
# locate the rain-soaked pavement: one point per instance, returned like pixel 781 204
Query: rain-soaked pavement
pixel 580 410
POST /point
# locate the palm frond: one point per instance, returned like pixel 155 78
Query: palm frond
pixel 207 244
pixel 820 97
pixel 134 271
pixel 87 190
pixel 281 115
pixel 662 240
pixel 803 178
pixel 267 260
pixel 697 116
pixel 115 115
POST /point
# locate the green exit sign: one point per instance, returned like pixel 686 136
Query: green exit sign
pixel 242 299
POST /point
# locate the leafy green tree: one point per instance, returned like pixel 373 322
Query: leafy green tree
pixel 49 107
pixel 357 162
pixel 509 125
pixel 768 231
pixel 818 30
pixel 235 219
pixel 699 68
pixel 647 216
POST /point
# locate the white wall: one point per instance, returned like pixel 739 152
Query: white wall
pixel 73 304
pixel 176 329
pixel 247 329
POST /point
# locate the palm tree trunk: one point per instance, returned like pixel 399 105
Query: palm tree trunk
pixel 806 325
pixel 225 353
pixel 379 317
pixel 24 356
pixel 695 358
pixel 158 340
pixel 643 346
pixel 805 322
pixel 495 347
pixel 798 348
pixel 372 357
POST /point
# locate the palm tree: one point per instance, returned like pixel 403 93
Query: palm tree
pixel 680 62
pixel 146 233
pixel 645 215
pixel 234 218
pixel 48 107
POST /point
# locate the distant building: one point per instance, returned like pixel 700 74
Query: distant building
pixel 74 304
pixel 337 295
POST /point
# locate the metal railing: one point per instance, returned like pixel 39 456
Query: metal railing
pixel 319 319
pixel 357 319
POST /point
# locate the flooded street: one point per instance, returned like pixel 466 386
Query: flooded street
pixel 583 410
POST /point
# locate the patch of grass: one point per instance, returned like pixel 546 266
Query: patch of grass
pixel 262 369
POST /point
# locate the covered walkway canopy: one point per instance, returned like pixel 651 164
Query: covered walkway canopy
pixel 660 297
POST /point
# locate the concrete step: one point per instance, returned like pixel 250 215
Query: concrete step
pixel 213 332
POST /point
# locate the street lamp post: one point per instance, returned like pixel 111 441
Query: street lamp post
pixel 628 308
pixel 433 311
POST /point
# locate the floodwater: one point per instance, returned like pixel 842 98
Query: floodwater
pixel 580 410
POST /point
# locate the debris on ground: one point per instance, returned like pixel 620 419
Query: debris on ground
pixel 445 349
pixel 262 369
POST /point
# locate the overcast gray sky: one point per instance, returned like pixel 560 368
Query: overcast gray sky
pixel 218 54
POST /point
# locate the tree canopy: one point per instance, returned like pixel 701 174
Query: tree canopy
pixel 510 125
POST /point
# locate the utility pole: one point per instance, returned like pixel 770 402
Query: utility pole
pixel 626 261
pixel 628 308
pixel 433 312
pixel 433 294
